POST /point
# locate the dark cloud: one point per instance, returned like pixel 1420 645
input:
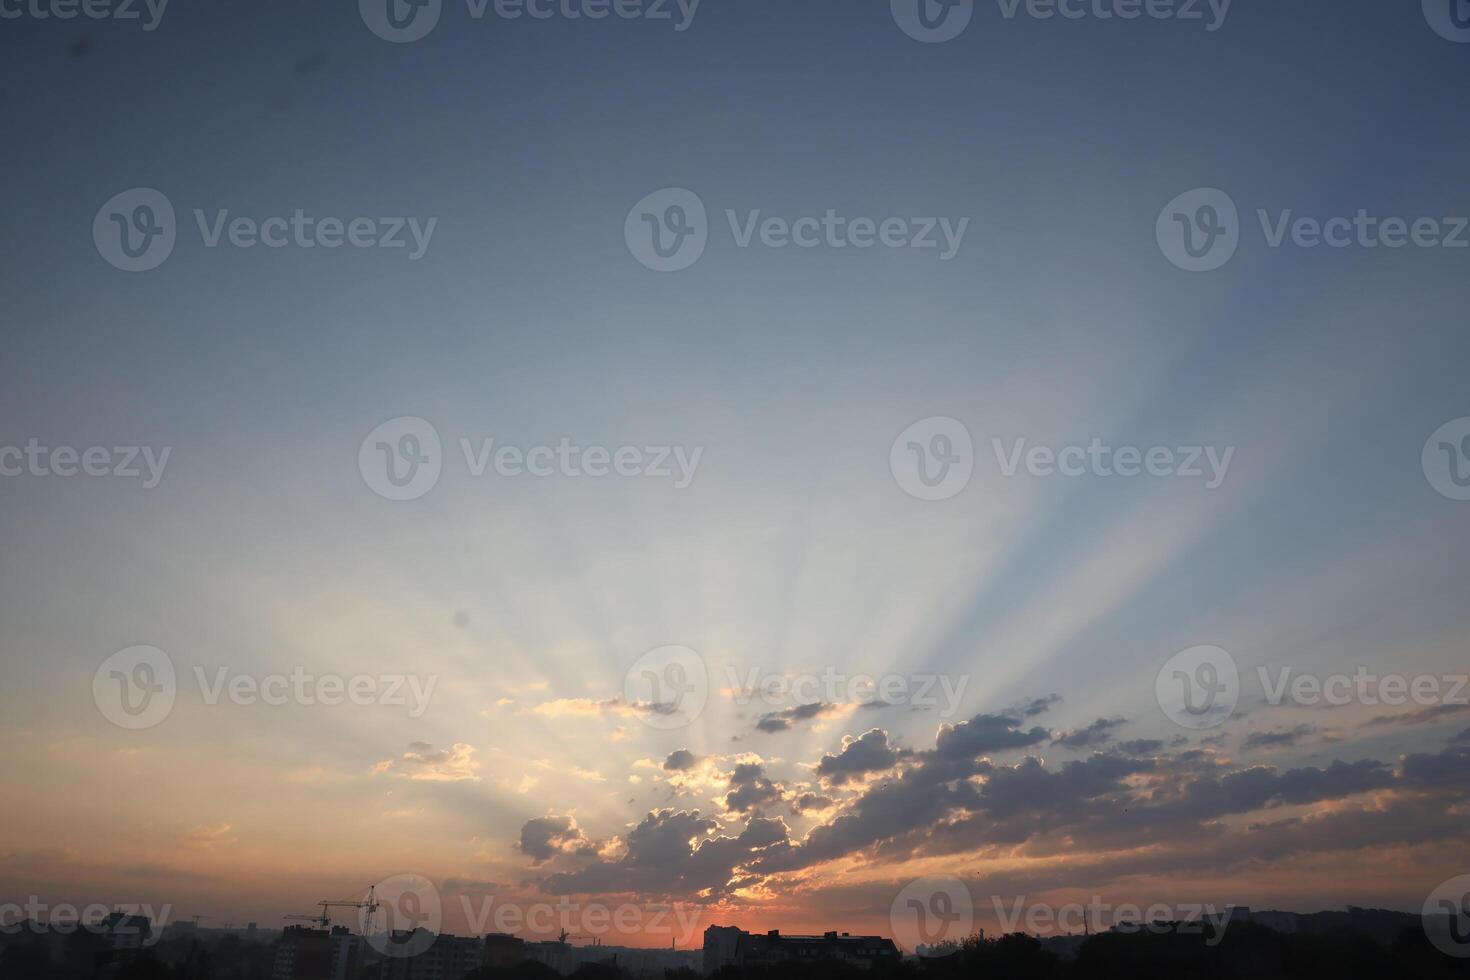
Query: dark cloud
pixel 750 789
pixel 1095 734
pixel 1277 739
pixel 983 734
pixel 1141 746
pixel 672 852
pixel 1424 716
pixel 543 838
pixel 811 801
pixel 1450 769
pixel 780 721
pixel 869 752
pixel 954 799
pixel 680 760
pixel 1036 706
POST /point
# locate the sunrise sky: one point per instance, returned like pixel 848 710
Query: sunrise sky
pixel 1046 605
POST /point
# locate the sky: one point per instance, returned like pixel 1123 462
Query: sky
pixel 828 473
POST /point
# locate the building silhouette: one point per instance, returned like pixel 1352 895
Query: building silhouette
pixel 725 946
pixel 304 953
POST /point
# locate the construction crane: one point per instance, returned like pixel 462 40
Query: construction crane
pixel 324 921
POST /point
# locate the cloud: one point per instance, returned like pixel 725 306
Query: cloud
pixel 1278 739
pixel 673 852
pixel 807 802
pixel 1035 706
pixel 544 838
pixel 1133 810
pixel 868 753
pixel 1424 716
pixel 424 762
pixel 580 707
pixel 680 760
pixel 984 734
pixel 750 789
pixel 780 721
pixel 210 837
pixel 1141 746
pixel 1095 734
